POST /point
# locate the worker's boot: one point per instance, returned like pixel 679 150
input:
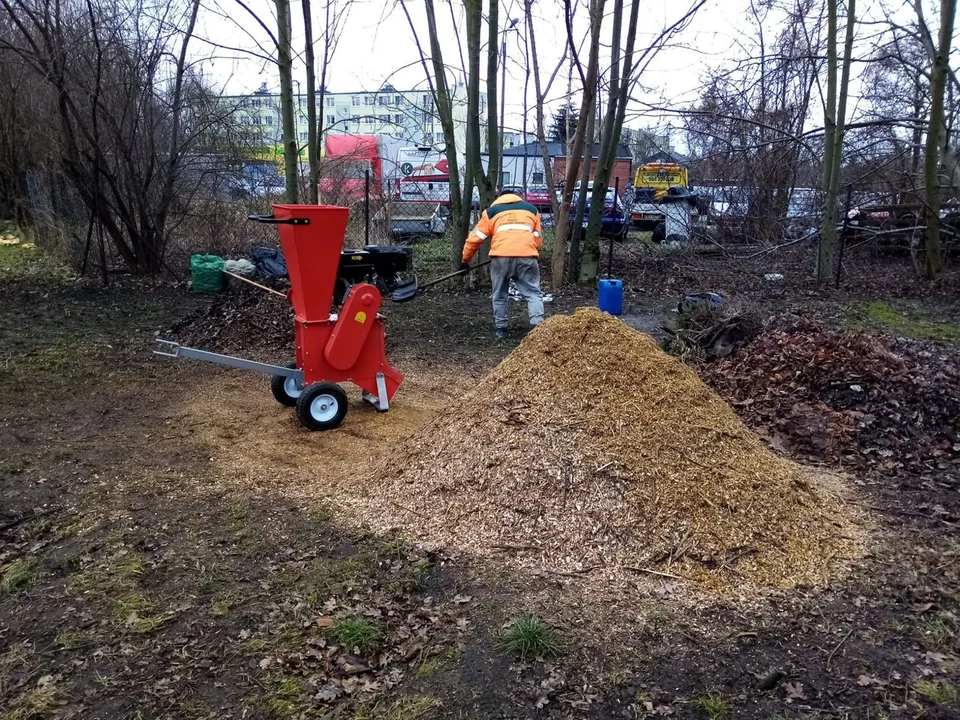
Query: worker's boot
pixel 501 333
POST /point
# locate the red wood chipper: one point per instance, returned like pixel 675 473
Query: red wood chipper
pixel 338 339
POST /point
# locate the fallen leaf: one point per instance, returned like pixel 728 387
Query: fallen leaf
pixel 794 691
pixel 462 599
pixel 325 622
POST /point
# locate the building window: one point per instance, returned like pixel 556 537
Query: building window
pixel 428 138
pixel 304 137
pixel 505 179
pixel 355 101
pixel 426 100
pixel 398 119
pixel 398 100
pixel 331 101
pixel 538 178
pixel 269 119
pixel 331 119
pixel 384 99
pixel 368 100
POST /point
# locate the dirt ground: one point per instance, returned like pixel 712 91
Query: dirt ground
pixel 173 544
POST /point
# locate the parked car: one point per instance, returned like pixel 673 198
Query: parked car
pixel 613 222
pixel 539 197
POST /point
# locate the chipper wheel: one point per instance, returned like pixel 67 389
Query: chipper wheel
pixel 322 406
pixel 285 389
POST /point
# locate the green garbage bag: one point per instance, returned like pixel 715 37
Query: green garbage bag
pixel 207 271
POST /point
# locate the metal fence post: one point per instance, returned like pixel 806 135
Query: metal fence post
pixel 366 207
pixel 843 236
pixel 616 199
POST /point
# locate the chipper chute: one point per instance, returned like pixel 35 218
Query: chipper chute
pixel 338 329
pixel 409 290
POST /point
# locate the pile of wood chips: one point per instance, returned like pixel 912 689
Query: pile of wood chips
pixel 590 452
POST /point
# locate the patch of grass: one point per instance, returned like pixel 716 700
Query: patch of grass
pixel 255 644
pixel 222 604
pixel 41 702
pixel 938 692
pixel 529 636
pixel 25 261
pixel 18 575
pixel 936 632
pixel 357 633
pixel 713 705
pixel 413 707
pixel 133 611
pixel 285 699
pixel 430 665
pixel 129 567
pixel 325 577
pixel 69 639
pixel 619 678
pixel 912 322
pixel 411 576
pixel 321 514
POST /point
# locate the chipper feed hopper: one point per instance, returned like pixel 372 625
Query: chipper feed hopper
pixel 339 331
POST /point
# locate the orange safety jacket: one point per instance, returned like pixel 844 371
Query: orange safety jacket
pixel 513 226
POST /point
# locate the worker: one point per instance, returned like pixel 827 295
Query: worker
pixel 513 227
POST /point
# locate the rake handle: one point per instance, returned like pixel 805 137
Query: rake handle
pixel 255 284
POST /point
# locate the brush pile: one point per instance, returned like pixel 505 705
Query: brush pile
pixel 827 396
pixel 241 320
pixel 590 450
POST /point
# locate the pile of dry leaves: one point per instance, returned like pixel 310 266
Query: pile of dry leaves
pixel 591 451
pixel 851 397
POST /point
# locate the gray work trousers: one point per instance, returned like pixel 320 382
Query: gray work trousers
pixel 525 273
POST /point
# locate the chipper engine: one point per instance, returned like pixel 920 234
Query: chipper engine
pixel 339 332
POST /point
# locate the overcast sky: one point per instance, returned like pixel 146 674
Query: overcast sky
pixel 376 46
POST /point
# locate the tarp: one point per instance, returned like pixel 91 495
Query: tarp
pixel 269 261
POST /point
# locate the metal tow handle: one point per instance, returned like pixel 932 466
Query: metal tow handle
pixel 273 220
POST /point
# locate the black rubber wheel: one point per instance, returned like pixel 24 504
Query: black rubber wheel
pixel 322 406
pixel 659 232
pixel 286 390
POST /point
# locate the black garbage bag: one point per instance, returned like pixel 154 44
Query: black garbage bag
pixel 269 261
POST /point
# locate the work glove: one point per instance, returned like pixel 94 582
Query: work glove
pixel 465 267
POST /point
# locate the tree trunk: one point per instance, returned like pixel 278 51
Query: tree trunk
pixel 562 224
pixel 460 196
pixel 313 146
pixel 289 128
pixel 490 182
pixel 935 138
pixel 828 234
pixel 576 228
pixel 540 124
pixel 609 137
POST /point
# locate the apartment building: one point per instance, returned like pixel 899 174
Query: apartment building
pixel 406 114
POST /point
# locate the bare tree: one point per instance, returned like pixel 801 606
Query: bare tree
pixel 621 81
pixel 291 150
pixel 118 80
pixel 834 119
pixel 936 136
pixel 561 231
pixel 460 196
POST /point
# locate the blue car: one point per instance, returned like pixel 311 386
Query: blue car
pixel 613 222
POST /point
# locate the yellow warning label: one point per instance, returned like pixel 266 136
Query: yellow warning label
pixel 356 257
pixel 360 317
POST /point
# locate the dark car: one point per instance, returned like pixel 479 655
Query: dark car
pixel 613 222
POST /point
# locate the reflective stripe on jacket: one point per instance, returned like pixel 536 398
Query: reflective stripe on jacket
pixel 512 226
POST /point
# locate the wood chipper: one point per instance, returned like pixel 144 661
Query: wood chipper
pixel 339 331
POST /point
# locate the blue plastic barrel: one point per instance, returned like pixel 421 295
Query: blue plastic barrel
pixel 610 296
